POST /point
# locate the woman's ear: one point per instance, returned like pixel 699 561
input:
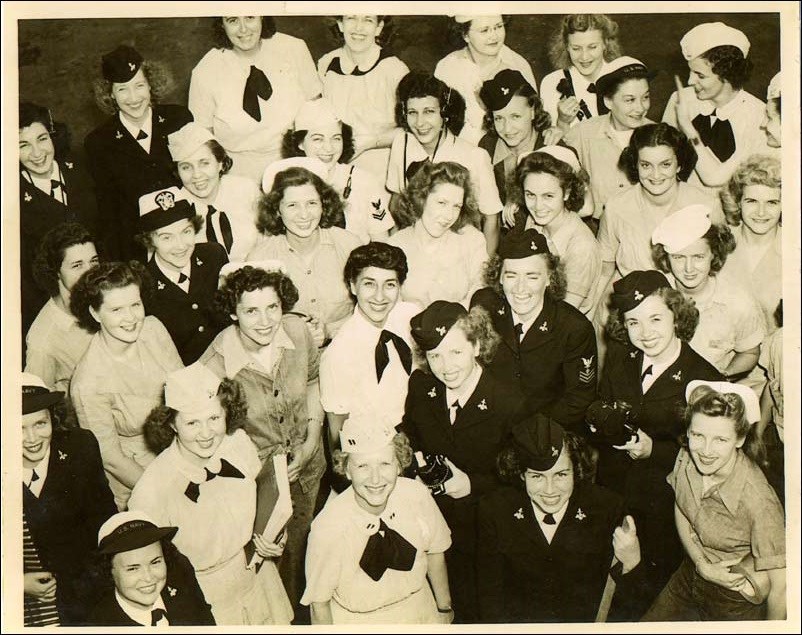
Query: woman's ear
pixel 94 314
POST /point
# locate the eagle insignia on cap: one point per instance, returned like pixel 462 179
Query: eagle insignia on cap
pixel 580 515
pixel 62 456
pixel 505 90
pixel 677 376
pixel 441 330
pixel 519 514
pixel 555 451
pixel 160 285
pixel 132 66
pixel 28 197
pixel 165 200
pixel 119 135
pixel 638 295
pixel 161 119
pixel 482 404
pixel 544 327
pixel 533 246
pixel 433 393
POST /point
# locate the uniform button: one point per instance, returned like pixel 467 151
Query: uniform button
pixel 195 306
pixel 313 300
pixel 201 329
pixel 308 272
pixel 517 374
pixel 281 420
pixel 275 393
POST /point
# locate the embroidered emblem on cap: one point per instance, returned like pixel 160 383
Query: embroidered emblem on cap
pixel 28 197
pixel 580 515
pixel 165 200
pixel 677 376
pixel 519 514
pixel 62 455
pixel 638 295
pixel 482 405
pixel 533 246
pixel 119 135
pixel 132 66
pixel 555 451
pixel 441 330
pixel 505 90
pixel 433 393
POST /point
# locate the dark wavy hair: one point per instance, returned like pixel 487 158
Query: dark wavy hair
pixel 269 221
pixel 158 76
pixel 557 281
pixel 413 199
pixel 52 250
pixel 581 22
pixel 456 31
pixel 419 84
pixel 541 120
pixel 511 467
pixel 250 278
pixel 652 135
pixel 686 316
pixel 379 255
pixel 220 39
pixel 758 169
pixel 383 39
pixel 729 64
pixel 403 454
pixel 574 184
pixel 91 287
pixel 707 401
pixel 292 140
pixel 718 237
pixel 158 428
pixel 610 88
pixel 30 114
pixel 146 238
pixel 218 152
pixel 478 328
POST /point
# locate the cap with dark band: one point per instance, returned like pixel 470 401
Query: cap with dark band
pixel 522 245
pixel 121 64
pixel 163 207
pixel 496 93
pixel 635 287
pixel 431 325
pixel 36 395
pixel 130 530
pixel 618 70
pixel 539 441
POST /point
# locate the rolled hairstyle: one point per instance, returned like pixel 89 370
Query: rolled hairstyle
pixel 729 64
pixel 51 252
pixel 557 280
pixel 292 140
pixel 30 114
pixel 686 316
pixel 158 76
pixel 718 237
pixel 652 135
pixel 220 39
pixel 401 446
pixel 511 467
pixel 758 169
pixel 580 22
pixel 379 255
pixel 573 184
pixel 250 278
pixel 541 120
pixel 419 84
pixel 383 39
pixel 456 31
pixel 478 329
pixel 92 285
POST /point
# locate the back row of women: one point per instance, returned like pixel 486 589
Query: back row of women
pixel 360 293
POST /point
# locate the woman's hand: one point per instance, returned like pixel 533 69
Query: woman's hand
pixel 567 108
pixel 459 485
pixel 638 449
pixel 508 214
pixel 300 458
pixel 270 549
pixel 40 585
pixel 684 121
pixel 719 573
pixel 626 545
pixel 553 135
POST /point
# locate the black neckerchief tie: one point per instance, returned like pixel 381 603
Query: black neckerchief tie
pixel 566 89
pixel 225 229
pixel 257 86
pixel 386 549
pixel 718 137
pixel 382 355
pixel 548 519
pixel 226 470
pixel 156 615
pixel 141 135
pixel 601 108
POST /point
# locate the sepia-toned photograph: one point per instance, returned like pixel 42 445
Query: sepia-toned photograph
pixel 428 320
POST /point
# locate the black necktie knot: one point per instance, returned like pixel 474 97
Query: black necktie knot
pixel 256 86
pixel 648 371
pixel 548 519
pixel 182 278
pixel 141 135
pixel 192 492
pixel 34 476
pixel 387 549
pixel 717 136
pixel 156 615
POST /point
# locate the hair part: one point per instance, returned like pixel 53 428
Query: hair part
pixel 379 255
pixel 729 64
pixel 52 251
pixel 159 78
pixel 220 39
pixel 653 135
pixel 758 169
pixel 420 84
pixel 292 139
pixel 383 39
pixel 250 278
pixel 573 184
pixel 556 288
pixel 686 316
pixel 146 238
pixel 511 466
pixel 579 23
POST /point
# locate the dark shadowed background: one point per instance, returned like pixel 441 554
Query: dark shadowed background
pixel 59 59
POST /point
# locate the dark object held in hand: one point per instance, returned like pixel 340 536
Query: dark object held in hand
pixel 433 471
pixel 611 422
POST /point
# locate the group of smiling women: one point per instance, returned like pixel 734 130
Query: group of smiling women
pixel 530 341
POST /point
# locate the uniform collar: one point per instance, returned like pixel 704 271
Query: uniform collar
pixel 502 150
pixel 137 613
pixel 726 111
pixel 348 65
pixel 171 275
pixel 235 355
pixel 463 394
pixel 41 471
pixel 147 126
pixel 729 491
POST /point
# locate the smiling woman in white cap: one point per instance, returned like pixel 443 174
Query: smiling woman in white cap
pixel 319 133
pixel 720 118
pixel 204 483
pixel 728 517
pixel 376 551
pixel 120 377
pixel 154 583
pixel 65 499
pixel 226 202
pixel 731 326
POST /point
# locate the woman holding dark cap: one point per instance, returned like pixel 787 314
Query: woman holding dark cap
pixel 431 114
pixel 301 220
pixel 55 342
pixel 458 410
pixel 548 348
pixel 657 161
pixel 54 188
pixel 376 550
pixel 772 122
pixel 729 519
pixel 649 371
pixel 480 54
pixel 319 133
pixel 624 87
pixel 445 251
pixel 579 50
pixel 226 202
pixel 128 154
pixel 247 88
pixel 183 275
pixel 203 481
pixel 271 354
pixel 120 377
pixel 547 539
pixel 154 583
pixel 360 79
pixel 721 120
pixel 65 499
pixel 731 326
pixel 549 188
pixel 515 124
